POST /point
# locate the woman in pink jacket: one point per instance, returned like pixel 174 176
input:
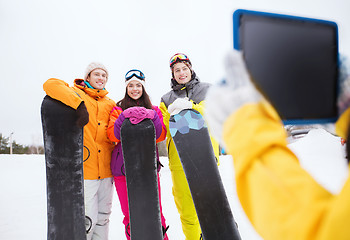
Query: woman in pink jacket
pixel 136 102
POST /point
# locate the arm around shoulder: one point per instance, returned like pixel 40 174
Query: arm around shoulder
pixel 165 119
pixel 113 133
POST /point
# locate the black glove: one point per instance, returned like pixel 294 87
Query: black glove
pixel 83 115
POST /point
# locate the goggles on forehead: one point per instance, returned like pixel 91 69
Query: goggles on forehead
pixel 134 73
pixel 178 57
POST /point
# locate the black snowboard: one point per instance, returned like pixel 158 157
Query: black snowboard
pixel 140 161
pixel 192 141
pixel 63 142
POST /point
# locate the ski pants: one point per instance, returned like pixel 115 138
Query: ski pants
pixel 121 187
pixel 98 196
pixel 185 205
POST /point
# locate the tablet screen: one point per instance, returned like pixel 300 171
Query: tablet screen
pixel 294 62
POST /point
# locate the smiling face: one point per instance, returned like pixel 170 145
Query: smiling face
pixel 134 89
pixel 182 73
pixel 97 79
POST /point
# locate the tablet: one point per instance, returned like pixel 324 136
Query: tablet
pixel 294 62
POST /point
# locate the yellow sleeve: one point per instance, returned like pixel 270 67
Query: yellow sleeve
pixel 199 107
pixel 342 124
pixel 281 200
pixel 60 90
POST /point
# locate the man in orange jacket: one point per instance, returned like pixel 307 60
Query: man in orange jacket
pixel 88 96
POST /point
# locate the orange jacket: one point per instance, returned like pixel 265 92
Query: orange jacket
pixel 97 147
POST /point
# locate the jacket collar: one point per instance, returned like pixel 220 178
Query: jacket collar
pixel 95 93
pixel 189 85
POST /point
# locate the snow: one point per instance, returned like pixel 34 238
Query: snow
pixel 23 197
pixel 324 158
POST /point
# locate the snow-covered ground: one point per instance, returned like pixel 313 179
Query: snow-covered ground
pixel 23 191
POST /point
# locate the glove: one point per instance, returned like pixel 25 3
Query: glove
pixel 83 115
pixel 137 114
pixel 224 99
pixel 178 105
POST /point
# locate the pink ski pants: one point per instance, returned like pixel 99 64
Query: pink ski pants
pixel 120 185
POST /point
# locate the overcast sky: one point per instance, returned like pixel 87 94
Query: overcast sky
pixel 41 39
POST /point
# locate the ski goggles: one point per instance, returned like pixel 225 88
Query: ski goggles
pixel 178 57
pixel 134 73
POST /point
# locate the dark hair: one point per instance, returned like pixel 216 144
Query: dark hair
pixel 143 101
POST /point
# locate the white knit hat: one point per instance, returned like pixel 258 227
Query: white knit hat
pixel 135 79
pixel 136 75
pixel 92 66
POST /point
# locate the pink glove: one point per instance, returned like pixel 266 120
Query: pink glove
pixel 137 114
